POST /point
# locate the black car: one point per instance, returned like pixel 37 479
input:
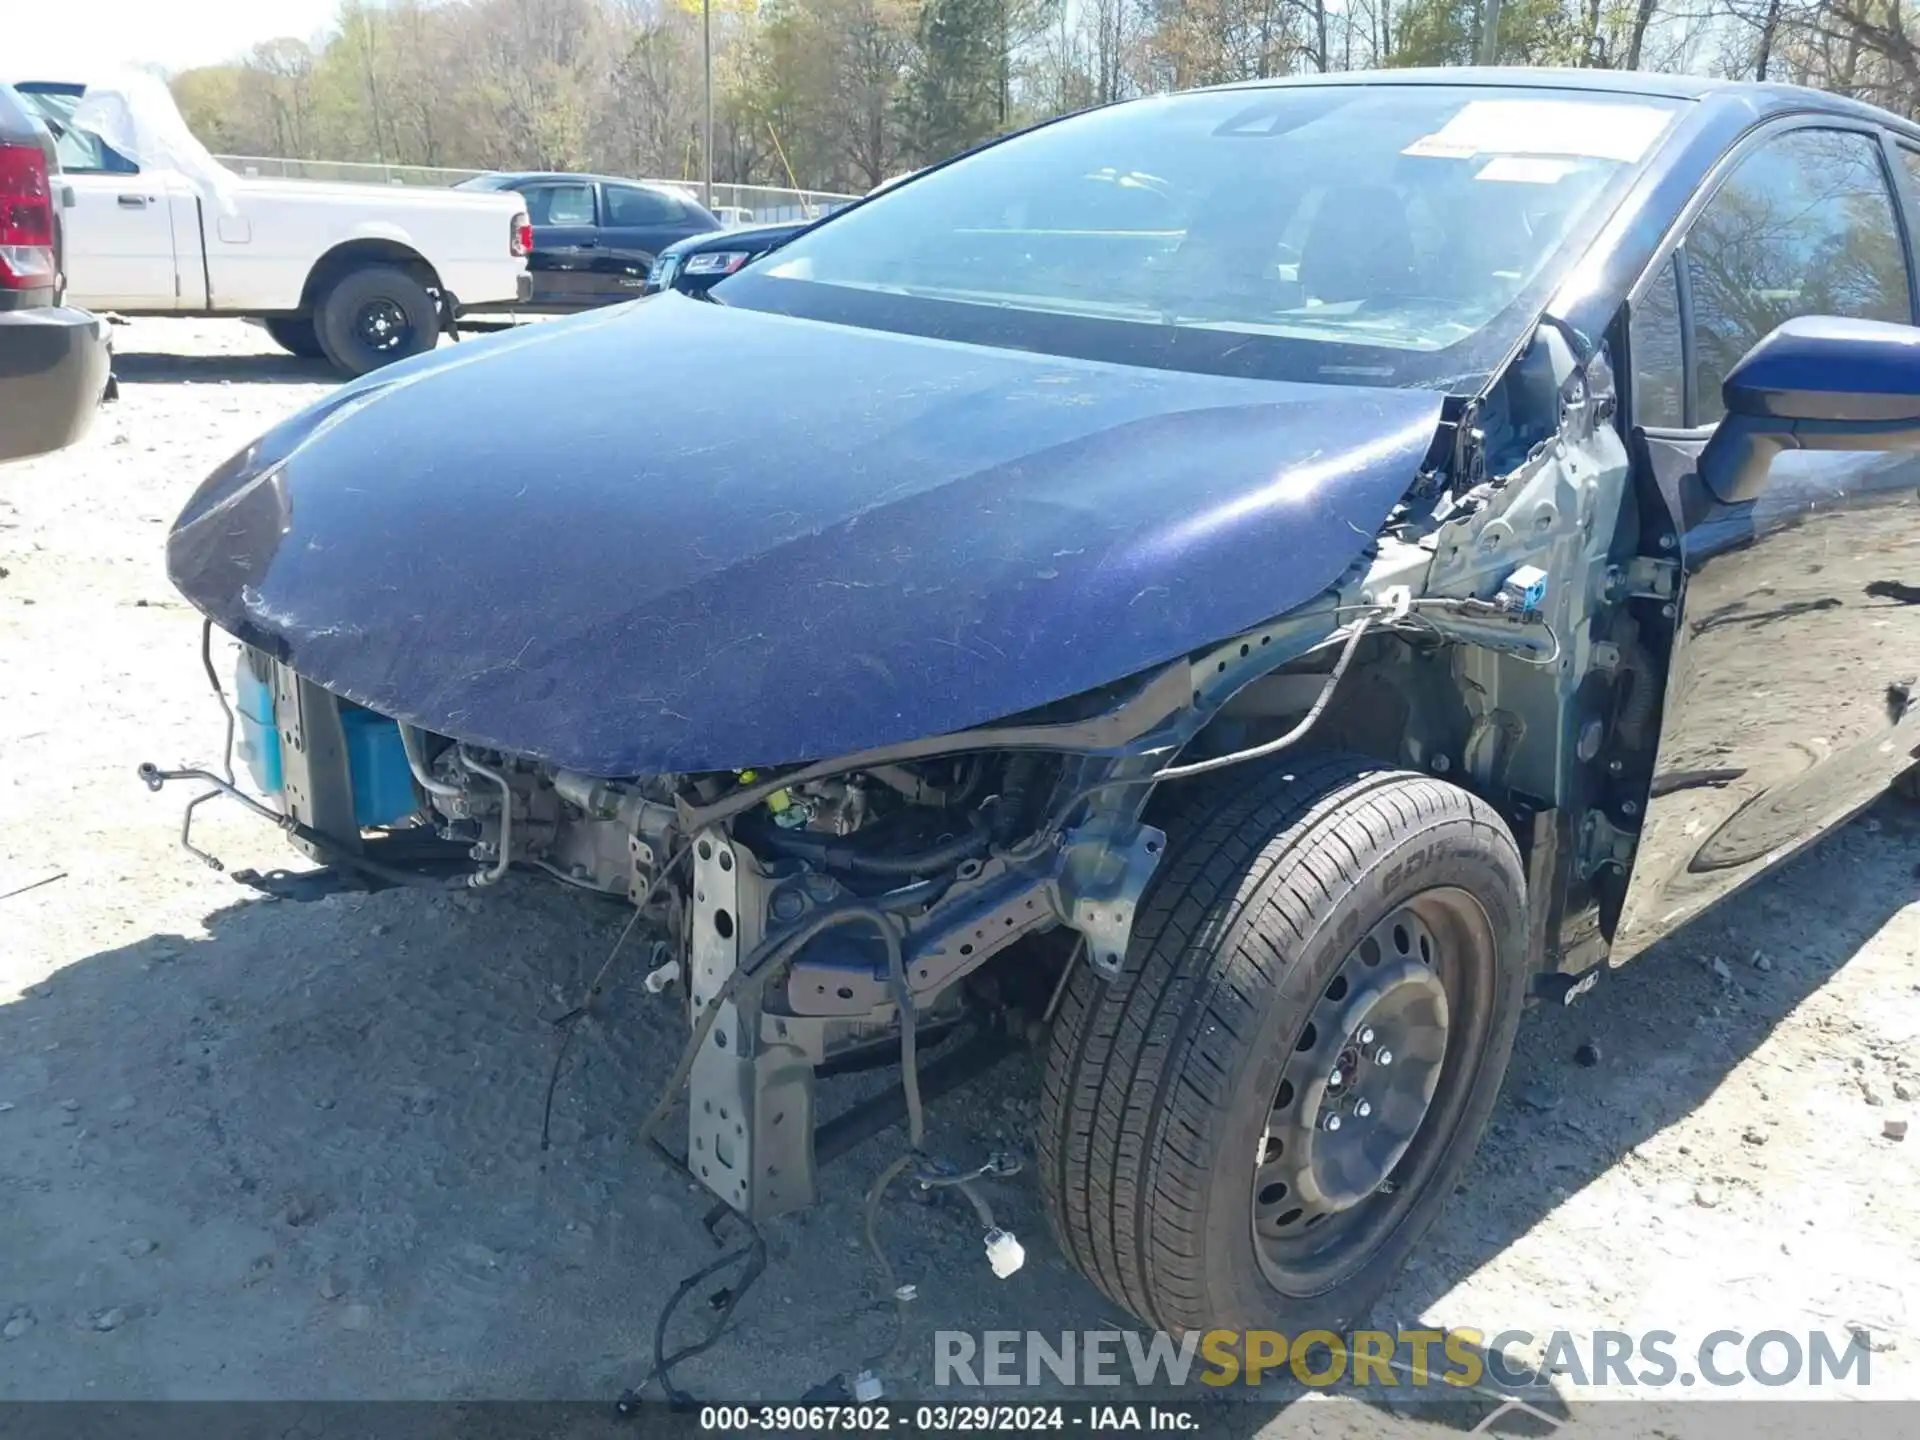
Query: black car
pixel 694 266
pixel 54 361
pixel 595 236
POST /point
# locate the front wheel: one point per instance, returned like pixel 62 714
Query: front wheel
pixel 374 316
pixel 1257 1121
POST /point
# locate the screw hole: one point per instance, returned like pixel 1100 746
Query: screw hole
pixel 720 1038
pixel 723 924
pixel 966 949
pixel 726 860
pixel 704 850
pixel 845 992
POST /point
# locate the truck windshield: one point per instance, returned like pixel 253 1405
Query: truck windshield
pixel 1359 234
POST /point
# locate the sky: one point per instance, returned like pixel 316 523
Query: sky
pixel 71 39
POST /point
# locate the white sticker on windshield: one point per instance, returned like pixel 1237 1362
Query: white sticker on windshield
pixel 1528 169
pixel 1575 128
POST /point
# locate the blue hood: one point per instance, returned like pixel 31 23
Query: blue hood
pixel 674 536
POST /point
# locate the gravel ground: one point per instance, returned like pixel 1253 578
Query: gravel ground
pixel 254 1148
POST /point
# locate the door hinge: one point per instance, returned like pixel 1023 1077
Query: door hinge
pixel 1603 844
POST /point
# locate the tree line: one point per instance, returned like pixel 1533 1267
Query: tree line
pixel 842 94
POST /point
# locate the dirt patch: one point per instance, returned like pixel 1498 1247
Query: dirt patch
pixel 266 1149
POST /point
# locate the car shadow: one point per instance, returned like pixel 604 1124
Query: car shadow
pixel 327 1116
pixel 145 367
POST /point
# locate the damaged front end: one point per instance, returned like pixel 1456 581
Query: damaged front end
pixel 874 755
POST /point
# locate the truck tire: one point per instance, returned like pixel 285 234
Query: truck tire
pixel 294 334
pixel 374 316
pixel 1299 926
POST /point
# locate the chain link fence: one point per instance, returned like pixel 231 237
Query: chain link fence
pixel 734 204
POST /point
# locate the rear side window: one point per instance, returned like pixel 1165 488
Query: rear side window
pixel 630 205
pixel 560 205
pixel 1804 226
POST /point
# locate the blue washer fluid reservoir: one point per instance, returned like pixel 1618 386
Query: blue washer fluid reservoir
pixel 259 740
pixel 382 783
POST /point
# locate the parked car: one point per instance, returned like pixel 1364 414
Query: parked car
pixel 360 274
pixel 695 265
pixel 595 237
pixel 55 361
pixel 1281 574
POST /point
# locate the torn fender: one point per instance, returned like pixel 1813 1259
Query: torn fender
pixel 675 536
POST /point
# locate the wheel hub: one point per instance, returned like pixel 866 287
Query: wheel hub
pixel 1358 1085
pixel 382 324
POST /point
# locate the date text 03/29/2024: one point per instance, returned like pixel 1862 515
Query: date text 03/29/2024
pixel 959 1419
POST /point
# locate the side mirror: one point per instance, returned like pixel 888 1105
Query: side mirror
pixel 1816 383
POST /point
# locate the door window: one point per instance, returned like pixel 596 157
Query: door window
pixel 1659 356
pixel 1804 226
pixel 629 205
pixel 560 205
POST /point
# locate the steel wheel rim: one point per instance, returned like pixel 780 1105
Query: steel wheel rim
pixel 382 325
pixel 1327 1198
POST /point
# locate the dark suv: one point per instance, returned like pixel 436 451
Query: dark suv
pixel 55 362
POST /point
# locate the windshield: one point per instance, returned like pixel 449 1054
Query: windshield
pixel 1382 234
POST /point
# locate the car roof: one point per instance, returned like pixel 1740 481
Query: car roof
pixel 1761 97
pixel 564 177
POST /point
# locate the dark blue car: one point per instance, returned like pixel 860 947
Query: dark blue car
pixel 595 236
pixel 1246 586
pixel 695 265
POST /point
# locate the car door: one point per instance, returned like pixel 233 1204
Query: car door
pixel 637 224
pixel 1788 704
pixel 566 239
pixel 120 252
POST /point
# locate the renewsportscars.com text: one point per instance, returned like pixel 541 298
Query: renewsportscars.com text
pixel 1462 1359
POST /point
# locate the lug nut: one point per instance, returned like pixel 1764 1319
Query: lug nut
pixel 1385 1057
pixel 1366 1036
pixel 1332 1122
pixel 1363 1109
pixel 1336 1080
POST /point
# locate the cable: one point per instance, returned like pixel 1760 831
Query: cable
pixel 570 1019
pixel 1238 757
pixel 753 974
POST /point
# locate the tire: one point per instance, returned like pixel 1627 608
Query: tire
pixel 1161 1084
pixel 294 334
pixel 347 317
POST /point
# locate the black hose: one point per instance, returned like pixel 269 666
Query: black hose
pixel 842 855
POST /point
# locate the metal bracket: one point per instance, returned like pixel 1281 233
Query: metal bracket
pixel 749 1101
pixel 1650 578
pixel 1603 844
pixel 1101 887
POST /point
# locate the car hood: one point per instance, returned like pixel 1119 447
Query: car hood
pixel 749 237
pixel 676 536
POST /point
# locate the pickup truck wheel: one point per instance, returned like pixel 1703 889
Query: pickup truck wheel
pixel 294 334
pixel 374 316
pixel 1257 1121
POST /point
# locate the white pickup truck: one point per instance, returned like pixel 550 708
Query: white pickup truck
pixel 360 274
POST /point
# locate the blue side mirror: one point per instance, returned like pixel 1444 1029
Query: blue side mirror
pixel 1816 383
